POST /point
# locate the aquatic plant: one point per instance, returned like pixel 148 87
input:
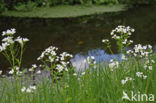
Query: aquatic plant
pixel 130 79
pixel 12 48
pixel 56 64
pixel 140 56
pixel 28 5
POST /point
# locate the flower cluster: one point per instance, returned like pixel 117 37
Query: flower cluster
pixel 148 64
pixel 53 62
pixel 15 70
pixel 21 40
pixel 51 53
pixel 121 30
pixel 113 64
pixel 141 75
pixel 122 34
pixel 38 72
pixel 9 39
pixel 82 74
pixel 12 48
pixel 34 66
pixel 30 89
pixel 141 51
pixel 9 32
pixel 105 41
pixel 124 81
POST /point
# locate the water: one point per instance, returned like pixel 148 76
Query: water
pixel 80 36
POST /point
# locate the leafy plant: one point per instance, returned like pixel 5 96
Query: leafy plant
pixel 13 48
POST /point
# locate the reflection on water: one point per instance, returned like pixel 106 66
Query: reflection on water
pixel 75 35
pixel 99 54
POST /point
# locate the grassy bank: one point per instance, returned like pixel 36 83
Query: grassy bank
pixel 65 11
pixel 95 85
pixel 127 79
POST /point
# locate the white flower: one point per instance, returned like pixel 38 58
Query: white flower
pixel 51 59
pixel 131 41
pixel 34 66
pixel 152 61
pixel 32 87
pixel 150 67
pixel 59 68
pixel 111 60
pixel 74 74
pixel 139 74
pixel 144 76
pixel 31 69
pixel 38 72
pixel 18 73
pixel 122 29
pixel 123 82
pixel 150 46
pixel 94 62
pixel 105 40
pixel 123 57
pixel 21 40
pixel 132 30
pixel 90 60
pixel 83 73
pixel 85 61
pixel 129 33
pixel 23 89
pixel 142 51
pixel 11 71
pixel 135 54
pixel 0 72
pixel 117 37
pixel 9 32
pixel 28 90
pixel 17 68
pixel 8 40
pixel 25 39
pixel 65 55
pixel 4 46
pixel 92 57
pixel 125 41
pixel 114 64
pixel 145 66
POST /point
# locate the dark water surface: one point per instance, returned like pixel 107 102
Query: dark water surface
pixel 80 36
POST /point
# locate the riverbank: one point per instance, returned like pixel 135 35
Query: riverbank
pixel 65 11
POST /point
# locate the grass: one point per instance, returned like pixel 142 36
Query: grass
pixel 132 75
pixel 100 85
pixel 65 11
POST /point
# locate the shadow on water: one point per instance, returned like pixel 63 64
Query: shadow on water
pixel 80 36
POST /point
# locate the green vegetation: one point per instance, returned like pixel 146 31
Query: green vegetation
pixel 65 11
pixel 95 86
pixel 27 4
pixel 132 75
pixel 31 6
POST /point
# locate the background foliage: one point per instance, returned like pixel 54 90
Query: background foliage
pixel 26 5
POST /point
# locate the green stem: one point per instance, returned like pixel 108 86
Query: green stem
pixel 21 55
